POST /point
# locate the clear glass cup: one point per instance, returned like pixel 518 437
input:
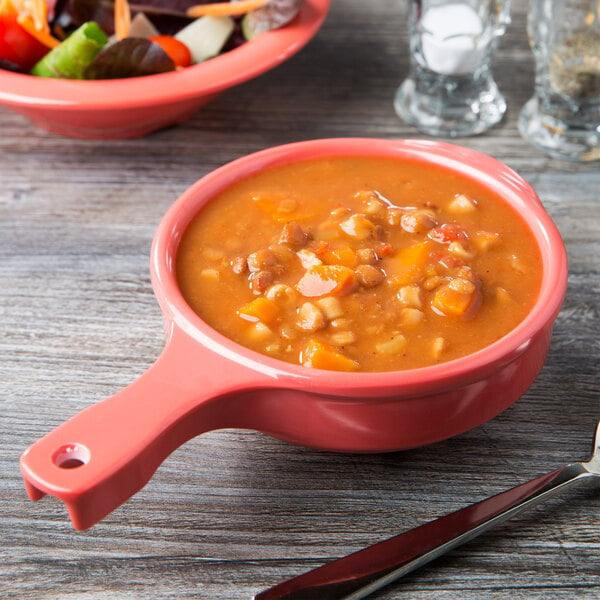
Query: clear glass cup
pixel 563 117
pixel 450 90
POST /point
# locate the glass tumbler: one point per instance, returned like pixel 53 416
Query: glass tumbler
pixel 450 90
pixel 563 117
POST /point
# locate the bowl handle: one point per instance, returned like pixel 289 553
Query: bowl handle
pixel 103 455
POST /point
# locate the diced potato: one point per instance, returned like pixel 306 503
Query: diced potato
pixel 288 332
pixel 358 227
pixel 433 282
pixel 319 355
pixel 310 317
pixel 308 259
pixel 331 307
pixel 374 330
pixel 410 317
pixel 485 240
pixel 394 216
pixel 233 244
pixel 517 264
pixel 260 309
pixel 396 344
pixel 342 338
pixel 503 295
pixel 466 273
pixel 328 231
pixel 210 275
pixel 339 211
pixel 457 249
pixel 341 323
pixel 273 348
pixel 212 254
pixel 287 205
pixel 259 332
pixel 281 208
pixel 410 295
pixel 462 204
pixel 438 347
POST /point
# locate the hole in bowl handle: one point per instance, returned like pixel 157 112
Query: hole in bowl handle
pixel 103 455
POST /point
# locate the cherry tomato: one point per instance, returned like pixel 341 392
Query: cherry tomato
pixel 16 45
pixel 177 51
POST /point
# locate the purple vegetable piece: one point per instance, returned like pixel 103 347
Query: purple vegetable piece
pixel 131 57
pixel 7 65
pixel 168 16
pixel 273 15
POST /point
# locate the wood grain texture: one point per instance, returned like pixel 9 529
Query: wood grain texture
pixel 233 512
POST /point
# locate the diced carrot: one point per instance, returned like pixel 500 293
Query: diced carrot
pixel 220 9
pixel 459 298
pixel 343 255
pixel 278 207
pixel 407 265
pixel 260 309
pixel 321 248
pixel 323 280
pixel 319 355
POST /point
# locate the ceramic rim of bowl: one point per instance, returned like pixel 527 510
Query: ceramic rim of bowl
pixel 484 169
pixel 253 58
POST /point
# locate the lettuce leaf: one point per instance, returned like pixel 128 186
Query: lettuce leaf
pixel 131 57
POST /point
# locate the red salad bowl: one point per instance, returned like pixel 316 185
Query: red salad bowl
pixel 124 108
pixel 203 381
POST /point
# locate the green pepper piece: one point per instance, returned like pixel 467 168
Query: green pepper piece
pixel 70 59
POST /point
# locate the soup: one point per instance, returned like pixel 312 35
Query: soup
pixel 359 263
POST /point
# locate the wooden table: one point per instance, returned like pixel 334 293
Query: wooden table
pixel 233 512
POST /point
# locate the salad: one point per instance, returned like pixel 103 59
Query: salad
pixel 113 39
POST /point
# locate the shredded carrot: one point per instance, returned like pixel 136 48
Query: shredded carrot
pixel 122 19
pixel 32 16
pixel 38 9
pixel 223 9
pixel 43 37
pixel 8 8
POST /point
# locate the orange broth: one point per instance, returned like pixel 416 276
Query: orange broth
pixel 359 263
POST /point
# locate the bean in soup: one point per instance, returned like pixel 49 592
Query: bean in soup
pixel 359 263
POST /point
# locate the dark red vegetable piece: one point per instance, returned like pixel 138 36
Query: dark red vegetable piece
pixel 131 57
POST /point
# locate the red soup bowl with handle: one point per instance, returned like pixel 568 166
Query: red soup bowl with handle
pixel 204 381
pixel 135 106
